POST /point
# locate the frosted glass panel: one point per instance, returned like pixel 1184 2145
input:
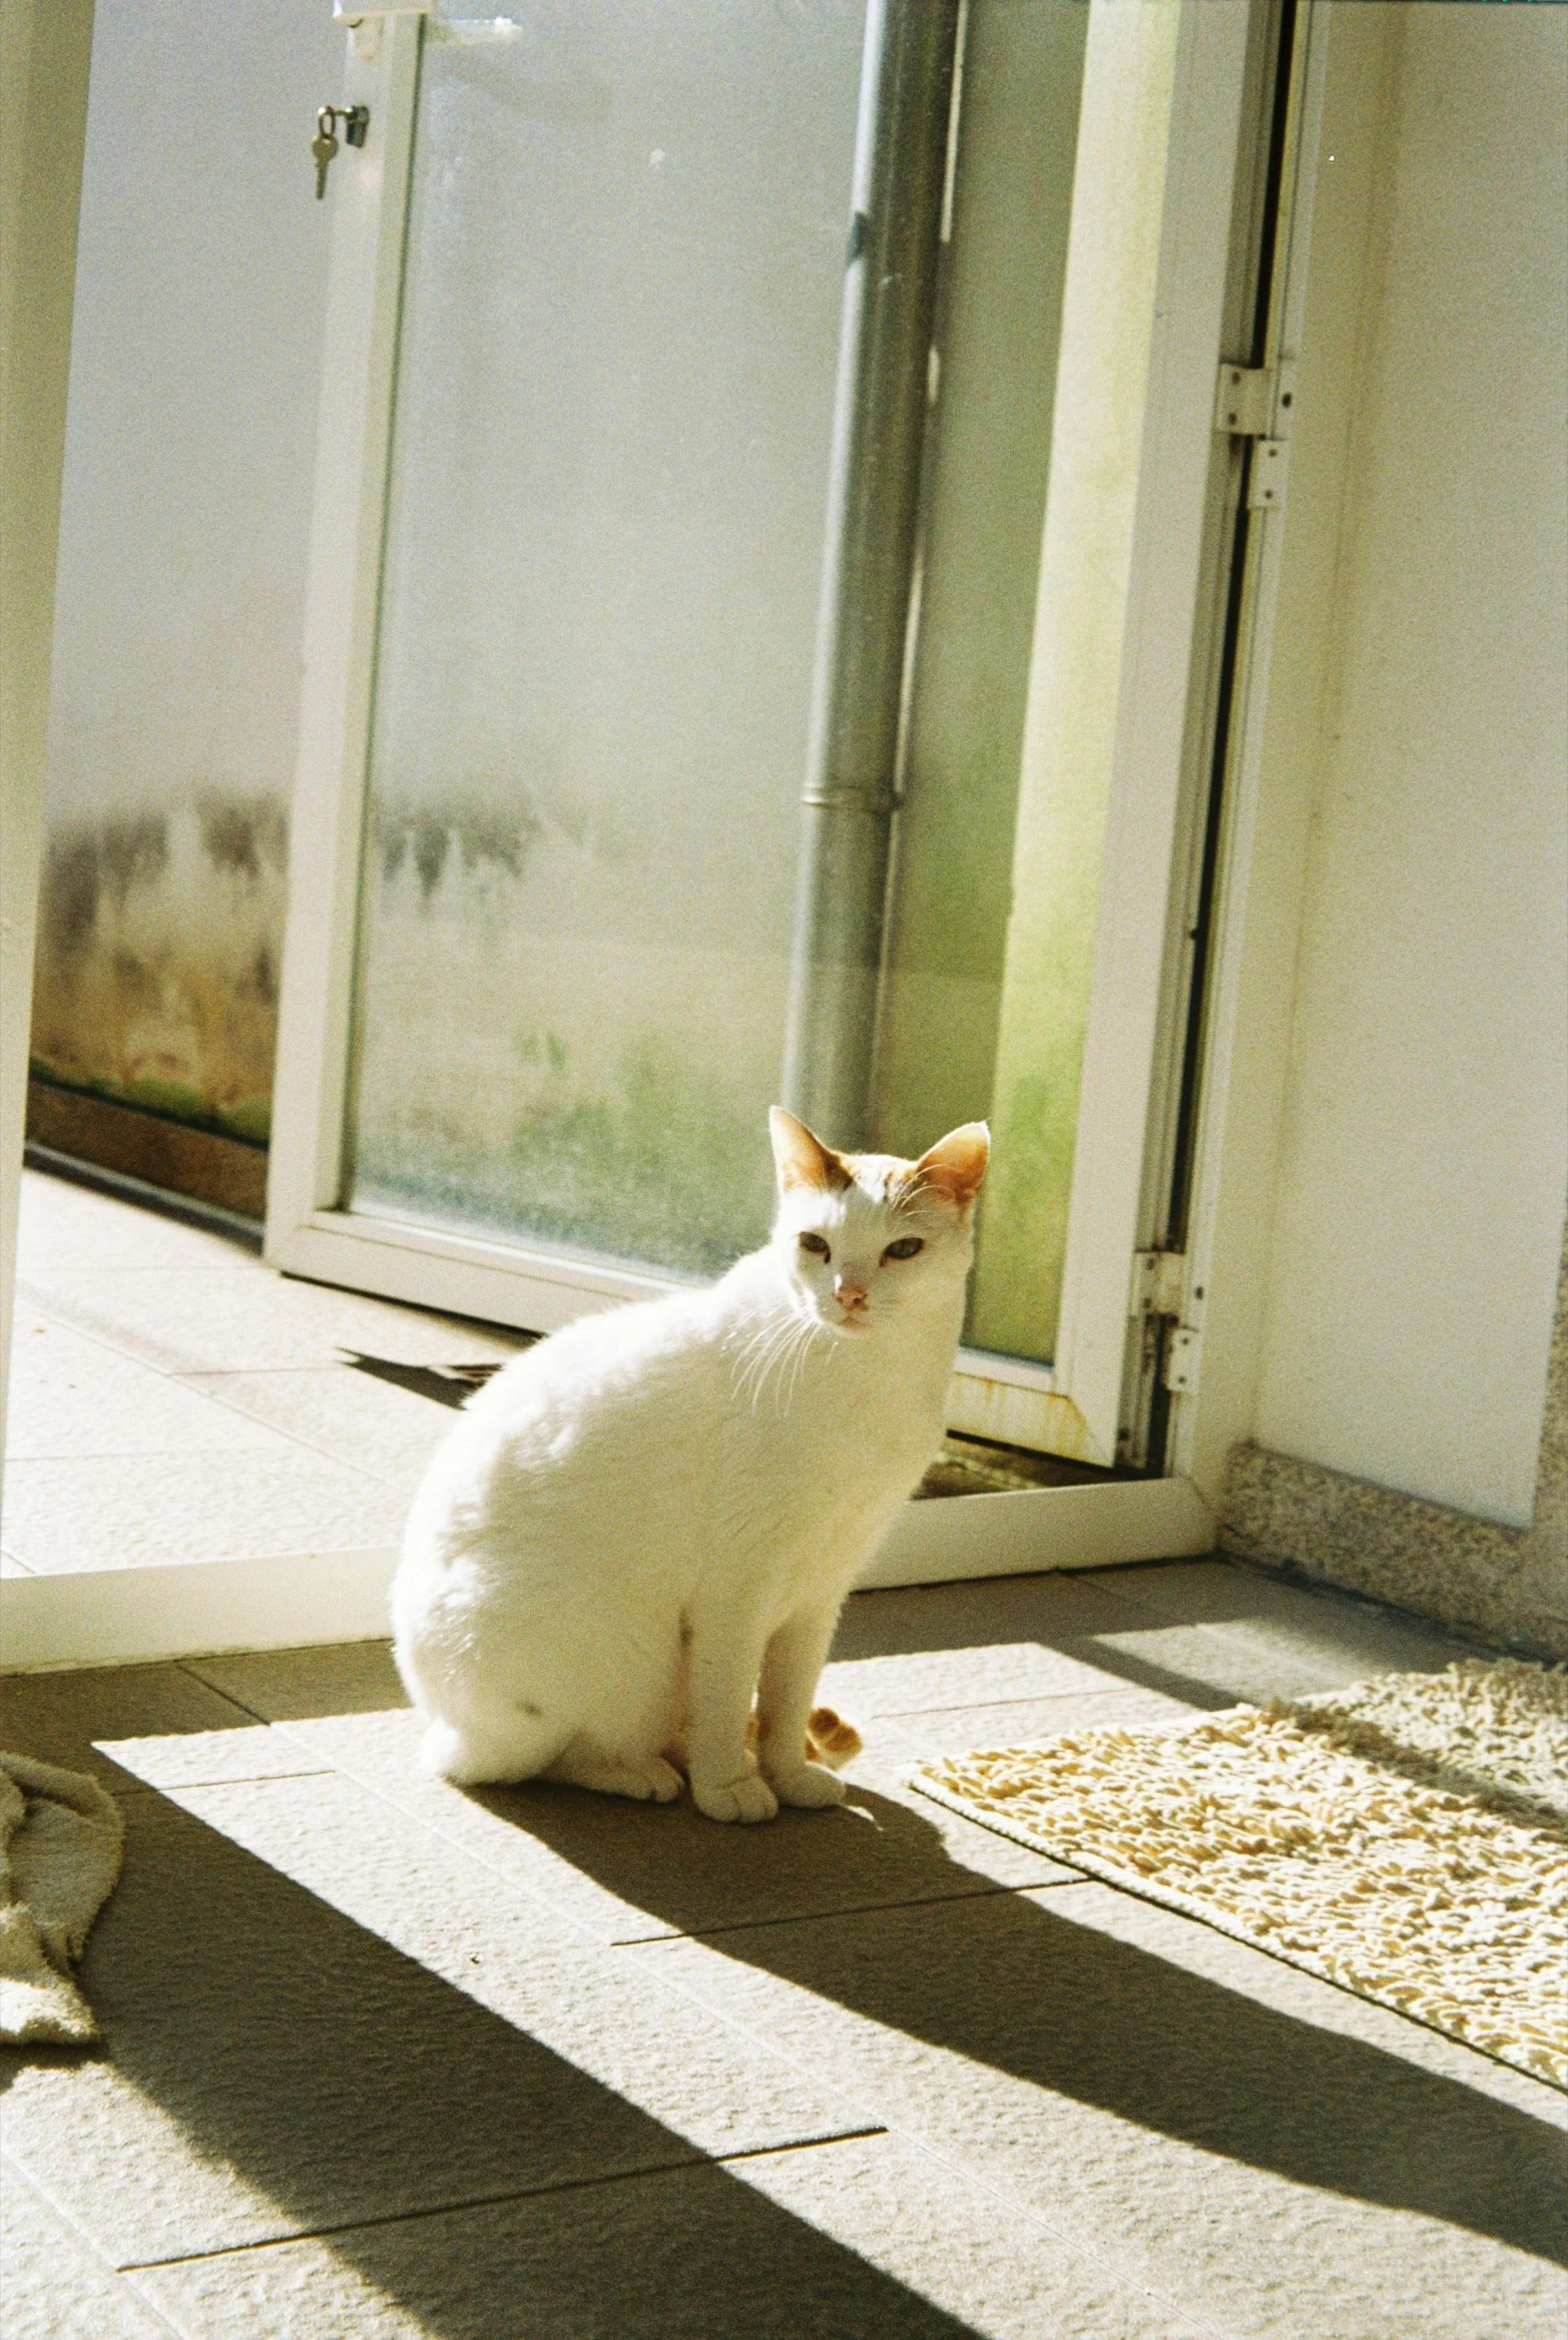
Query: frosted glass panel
pixel 618 352
pixel 1059 839
pixel 614 382
pixel 988 466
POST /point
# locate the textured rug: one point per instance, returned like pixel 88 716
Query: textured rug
pixel 60 1840
pixel 1406 1839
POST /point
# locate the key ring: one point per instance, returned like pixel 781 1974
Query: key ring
pixel 354 119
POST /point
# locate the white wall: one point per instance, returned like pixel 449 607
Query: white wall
pixel 1412 1263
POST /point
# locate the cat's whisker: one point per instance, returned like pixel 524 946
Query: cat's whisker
pixel 781 1358
pixel 791 1359
pixel 816 1334
pixel 756 1341
pixel 784 1356
pixel 761 1353
pixel 757 1379
pixel 746 1354
pixel 803 1349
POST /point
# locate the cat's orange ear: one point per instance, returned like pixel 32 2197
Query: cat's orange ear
pixel 954 1166
pixel 802 1159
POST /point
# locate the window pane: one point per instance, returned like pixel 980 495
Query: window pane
pixel 609 482
pixel 609 471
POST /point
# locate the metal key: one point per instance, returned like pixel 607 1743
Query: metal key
pixel 323 147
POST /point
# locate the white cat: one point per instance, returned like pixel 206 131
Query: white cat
pixel 654 1516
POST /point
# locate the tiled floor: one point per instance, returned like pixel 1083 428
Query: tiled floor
pixel 384 2059
pixel 174 1399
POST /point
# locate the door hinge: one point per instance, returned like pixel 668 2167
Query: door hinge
pixel 1255 401
pixel 1180 1360
pixel 1258 403
pixel 1243 405
pixel 1266 481
pixel 1158 1284
pixel 1160 1297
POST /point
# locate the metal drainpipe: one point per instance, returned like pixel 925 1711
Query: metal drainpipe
pixel 874 501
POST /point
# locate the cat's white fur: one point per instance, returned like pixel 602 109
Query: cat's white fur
pixel 654 1516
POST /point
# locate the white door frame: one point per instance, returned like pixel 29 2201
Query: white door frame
pixel 308 1235
pixel 119 1615
pixel 1259 883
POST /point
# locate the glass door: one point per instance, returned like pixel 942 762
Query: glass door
pixel 604 531
pixel 766 479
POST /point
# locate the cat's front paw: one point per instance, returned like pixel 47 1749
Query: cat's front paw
pixel 811 1785
pixel 655 1781
pixel 745 1797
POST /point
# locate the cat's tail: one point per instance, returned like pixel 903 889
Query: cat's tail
pixel 829 1739
pixel 494 1754
pixel 441 1751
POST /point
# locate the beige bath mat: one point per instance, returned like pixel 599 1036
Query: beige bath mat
pixel 60 1840
pixel 1406 1839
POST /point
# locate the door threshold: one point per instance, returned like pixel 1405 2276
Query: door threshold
pixel 135 1616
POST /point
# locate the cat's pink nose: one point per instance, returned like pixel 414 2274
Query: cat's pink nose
pixel 851 1293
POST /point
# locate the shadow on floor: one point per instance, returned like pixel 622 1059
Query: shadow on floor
pixel 1091 1614
pixel 369 2101
pixel 1007 1982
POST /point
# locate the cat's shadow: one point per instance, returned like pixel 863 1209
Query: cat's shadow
pixel 869 1905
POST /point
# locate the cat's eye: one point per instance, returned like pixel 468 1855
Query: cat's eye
pixel 904 1249
pixel 815 1244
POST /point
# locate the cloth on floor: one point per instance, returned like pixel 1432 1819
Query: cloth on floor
pixel 61 1836
pixel 1406 1837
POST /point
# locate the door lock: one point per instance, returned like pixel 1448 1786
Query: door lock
pixel 355 121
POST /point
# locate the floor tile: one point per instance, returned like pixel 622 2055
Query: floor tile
pixel 627 1871
pixel 1057 1607
pixel 1020 1721
pixel 289 1685
pixel 1219 1591
pixel 274 2066
pixel 1207 1633
pixel 1122 2110
pixel 967 2248
pixel 386 1431
pixel 1223 1593
pixel 925 1647
pixel 1060 1636
pixel 67 1235
pixel 518 1956
pixel 249 1320
pixel 53 2285
pixel 136 1512
pixel 862 1686
pixel 1217 2126
pixel 58 1716
pixel 686 2255
pixel 1259 1657
pixel 863 2239
pixel 200 1759
pixel 74 1396
pixel 624 1872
